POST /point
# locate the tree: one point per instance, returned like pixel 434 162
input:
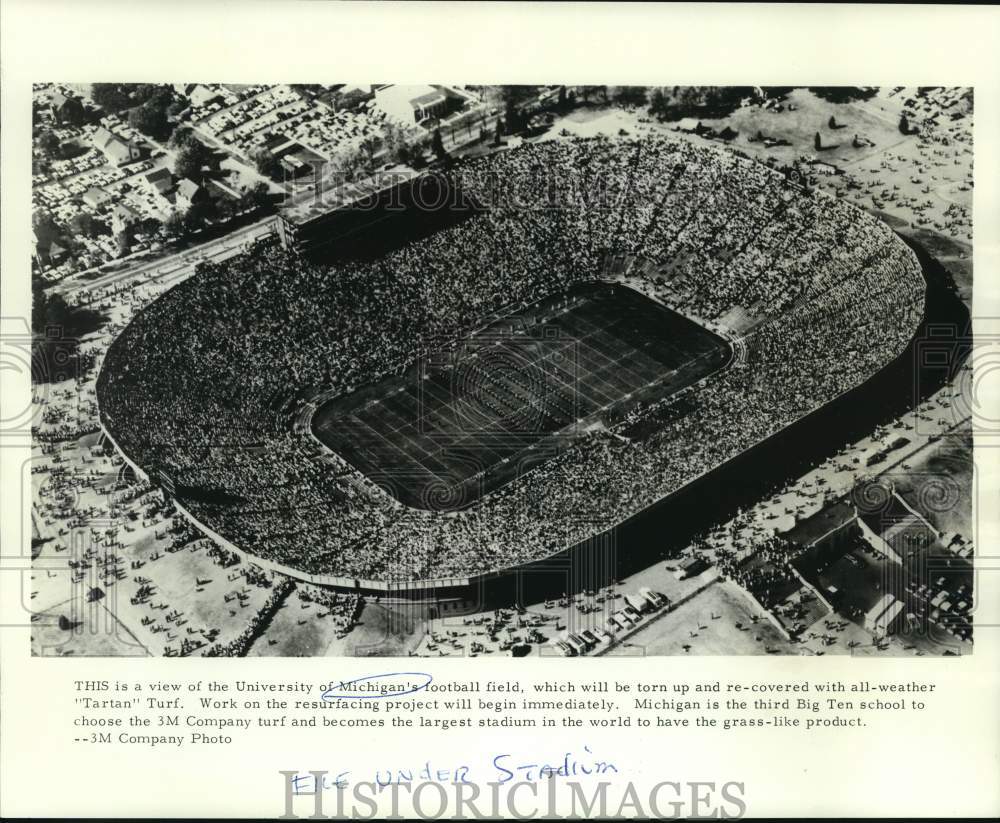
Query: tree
pixel 225 208
pixel 586 92
pixel 194 218
pixel 150 118
pixel 349 164
pixel 402 154
pixel 658 103
pixel 176 108
pixel 45 227
pixel 257 198
pixel 71 149
pixel 182 136
pixel 49 143
pixel 844 94
pixel 562 98
pixel 266 163
pixel 124 243
pixel 402 144
pixel 513 97
pixel 904 125
pixel 630 95
pixel 437 144
pixel 39 305
pixel 87 225
pixel 150 226
pixel 110 96
pixel 369 146
pixel 817 142
pixel 498 137
pixel 174 226
pixel 191 158
pixel 140 93
pixel 57 312
pixel 260 196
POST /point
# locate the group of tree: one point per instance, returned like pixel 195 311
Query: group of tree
pixel 151 117
pixel 55 149
pixel 257 198
pixel 351 164
pixel 266 163
pixel 437 145
pixel 588 93
pixel 117 97
pixel 51 313
pixel 630 95
pixel 57 328
pixel 515 100
pixel 87 225
pixel 404 145
pixel 844 94
pixel 150 106
pixel 192 156
pixel 49 143
pixel 45 228
pixel 667 102
pixel 181 226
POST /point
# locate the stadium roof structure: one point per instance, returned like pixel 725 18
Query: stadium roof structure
pixel 332 193
pixel 220 378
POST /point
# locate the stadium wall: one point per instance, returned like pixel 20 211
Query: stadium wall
pixel 139 472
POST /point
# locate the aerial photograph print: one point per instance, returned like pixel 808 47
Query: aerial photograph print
pixel 501 371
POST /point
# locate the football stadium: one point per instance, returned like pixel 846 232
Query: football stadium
pixel 609 320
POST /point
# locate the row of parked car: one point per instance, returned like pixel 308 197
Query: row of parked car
pixel 636 607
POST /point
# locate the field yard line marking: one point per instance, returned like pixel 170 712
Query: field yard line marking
pixel 602 347
pixel 419 444
pixel 409 460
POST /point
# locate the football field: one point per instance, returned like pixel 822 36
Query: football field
pixel 475 414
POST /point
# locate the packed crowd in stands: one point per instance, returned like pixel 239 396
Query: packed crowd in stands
pixel 814 295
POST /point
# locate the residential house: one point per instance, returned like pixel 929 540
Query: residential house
pixel 188 193
pixel 123 217
pixel 57 253
pixel 66 109
pixel 159 181
pixel 96 197
pixel 118 151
